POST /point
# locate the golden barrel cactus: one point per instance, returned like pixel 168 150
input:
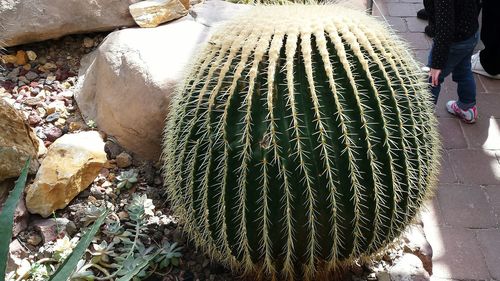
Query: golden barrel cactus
pixel 303 139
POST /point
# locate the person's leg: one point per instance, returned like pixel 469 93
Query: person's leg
pixel 465 107
pixel 490 35
pixel 466 85
pixel 462 72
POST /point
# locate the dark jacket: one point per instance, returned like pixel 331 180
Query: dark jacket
pixel 452 21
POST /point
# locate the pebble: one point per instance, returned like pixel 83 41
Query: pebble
pixel 41 111
pixel 32 101
pixel 67 94
pixel 31 55
pixel 52 133
pixel 9 59
pixel 122 215
pixel 71 228
pixel 34 119
pixel 75 126
pixel 48 67
pixel 21 57
pixel 34 239
pixel 112 149
pixel 88 42
pixel 31 75
pixel 60 122
pixel 53 117
pixel 123 160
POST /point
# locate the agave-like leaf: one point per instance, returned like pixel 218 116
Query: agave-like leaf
pixel 68 266
pixel 7 218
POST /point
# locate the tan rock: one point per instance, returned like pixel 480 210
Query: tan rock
pixel 71 164
pixel 21 57
pixel 9 59
pixel 123 160
pixel 151 13
pixel 127 63
pixel 31 55
pixel 17 142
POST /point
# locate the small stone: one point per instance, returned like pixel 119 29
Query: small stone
pixel 34 239
pixel 48 67
pixel 21 57
pixel 31 55
pixel 123 160
pixel 33 101
pixel 27 67
pixel 41 111
pixel 50 229
pixel 112 149
pixel 53 117
pixel 56 106
pixel 31 75
pixel 52 133
pixel 60 122
pixel 75 126
pixel 16 253
pixel 9 59
pixel 71 228
pixel 88 42
pixel 67 94
pixel 122 215
pixel 408 268
pixel 34 119
pixel 383 276
pixel 50 79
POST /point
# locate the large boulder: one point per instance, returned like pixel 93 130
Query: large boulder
pixel 24 21
pixel 126 84
pixel 70 166
pixel 17 142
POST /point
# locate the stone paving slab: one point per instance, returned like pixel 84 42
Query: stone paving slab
pixel 493 195
pixel 475 166
pixel 466 206
pixel 456 253
pixel 447 175
pixel 485 134
pixel 489 240
pixel 452 134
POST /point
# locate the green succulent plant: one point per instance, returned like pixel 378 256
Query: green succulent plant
pixel 303 139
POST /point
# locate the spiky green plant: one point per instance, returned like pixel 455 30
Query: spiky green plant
pixel 304 138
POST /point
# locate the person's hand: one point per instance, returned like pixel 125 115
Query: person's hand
pixel 434 74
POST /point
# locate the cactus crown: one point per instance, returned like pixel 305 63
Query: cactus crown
pixel 303 138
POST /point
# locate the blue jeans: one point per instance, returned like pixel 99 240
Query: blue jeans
pixel 459 65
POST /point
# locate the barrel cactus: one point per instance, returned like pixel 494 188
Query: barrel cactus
pixel 303 139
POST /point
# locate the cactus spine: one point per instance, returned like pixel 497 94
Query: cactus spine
pixel 303 138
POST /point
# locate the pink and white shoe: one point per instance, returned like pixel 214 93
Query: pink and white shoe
pixel 469 116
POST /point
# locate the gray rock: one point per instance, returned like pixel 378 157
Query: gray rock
pixel 50 229
pixel 408 268
pixel 16 253
pixel 31 75
pixel 25 21
pixel 417 244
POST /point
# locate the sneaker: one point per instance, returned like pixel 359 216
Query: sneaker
pixel 468 116
pixel 422 14
pixel 478 68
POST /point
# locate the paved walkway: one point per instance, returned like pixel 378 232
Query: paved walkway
pixel 462 222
